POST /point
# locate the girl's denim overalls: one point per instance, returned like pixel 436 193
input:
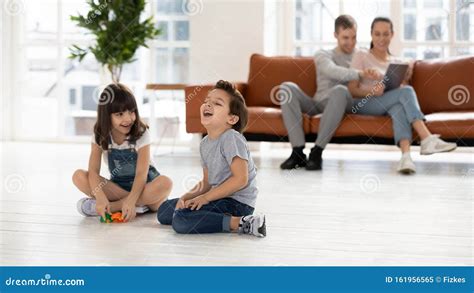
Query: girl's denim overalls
pixel 122 166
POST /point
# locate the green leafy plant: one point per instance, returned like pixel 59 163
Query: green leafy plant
pixel 118 32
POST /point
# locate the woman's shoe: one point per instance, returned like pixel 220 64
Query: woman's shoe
pixel 406 165
pixel 433 144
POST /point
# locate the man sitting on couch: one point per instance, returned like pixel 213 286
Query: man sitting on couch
pixel 332 97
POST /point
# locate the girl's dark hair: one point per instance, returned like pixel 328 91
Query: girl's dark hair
pixel 237 104
pixel 380 19
pixel 116 98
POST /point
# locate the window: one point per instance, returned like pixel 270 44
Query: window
pixel 464 28
pixel 437 28
pixel 164 110
pixel 65 91
pixel 52 86
pixel 428 28
pixel 171 49
pixel 314 22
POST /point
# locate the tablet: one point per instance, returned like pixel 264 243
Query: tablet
pixel 395 75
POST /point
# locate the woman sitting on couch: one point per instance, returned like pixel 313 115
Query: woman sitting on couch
pixel 401 103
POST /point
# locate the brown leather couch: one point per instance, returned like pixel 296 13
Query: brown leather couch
pixel 445 90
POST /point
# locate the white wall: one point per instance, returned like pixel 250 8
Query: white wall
pixel 6 74
pixel 223 36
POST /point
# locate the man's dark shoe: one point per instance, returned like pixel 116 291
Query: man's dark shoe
pixel 297 159
pixel 315 161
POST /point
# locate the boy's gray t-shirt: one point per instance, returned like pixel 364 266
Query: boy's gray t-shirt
pixel 217 155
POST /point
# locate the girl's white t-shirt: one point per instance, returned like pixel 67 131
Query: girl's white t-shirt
pixel 144 140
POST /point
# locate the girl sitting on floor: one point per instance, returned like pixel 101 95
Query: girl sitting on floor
pixel 123 141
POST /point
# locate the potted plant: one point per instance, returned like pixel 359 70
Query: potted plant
pixel 118 32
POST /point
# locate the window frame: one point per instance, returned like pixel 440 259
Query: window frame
pixel 398 42
pixel 168 44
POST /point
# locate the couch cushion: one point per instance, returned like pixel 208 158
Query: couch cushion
pixel 445 85
pixel 267 72
pixel 452 124
pixel 448 124
pixel 268 120
pixel 359 125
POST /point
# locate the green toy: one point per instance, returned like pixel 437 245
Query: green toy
pixel 112 218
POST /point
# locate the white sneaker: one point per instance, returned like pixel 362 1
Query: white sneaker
pixel 141 209
pixel 253 225
pixel 86 207
pixel 433 144
pixel 406 165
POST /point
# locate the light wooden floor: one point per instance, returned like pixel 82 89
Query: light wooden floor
pixel 358 211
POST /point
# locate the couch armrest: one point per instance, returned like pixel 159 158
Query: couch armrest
pixel 194 97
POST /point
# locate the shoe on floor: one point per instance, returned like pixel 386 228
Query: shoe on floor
pixel 141 209
pixel 86 207
pixel 253 225
pixel 406 165
pixel 315 160
pixel 297 159
pixel 433 144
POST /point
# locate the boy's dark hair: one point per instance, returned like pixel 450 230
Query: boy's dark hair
pixel 344 21
pixel 236 105
pixel 116 98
